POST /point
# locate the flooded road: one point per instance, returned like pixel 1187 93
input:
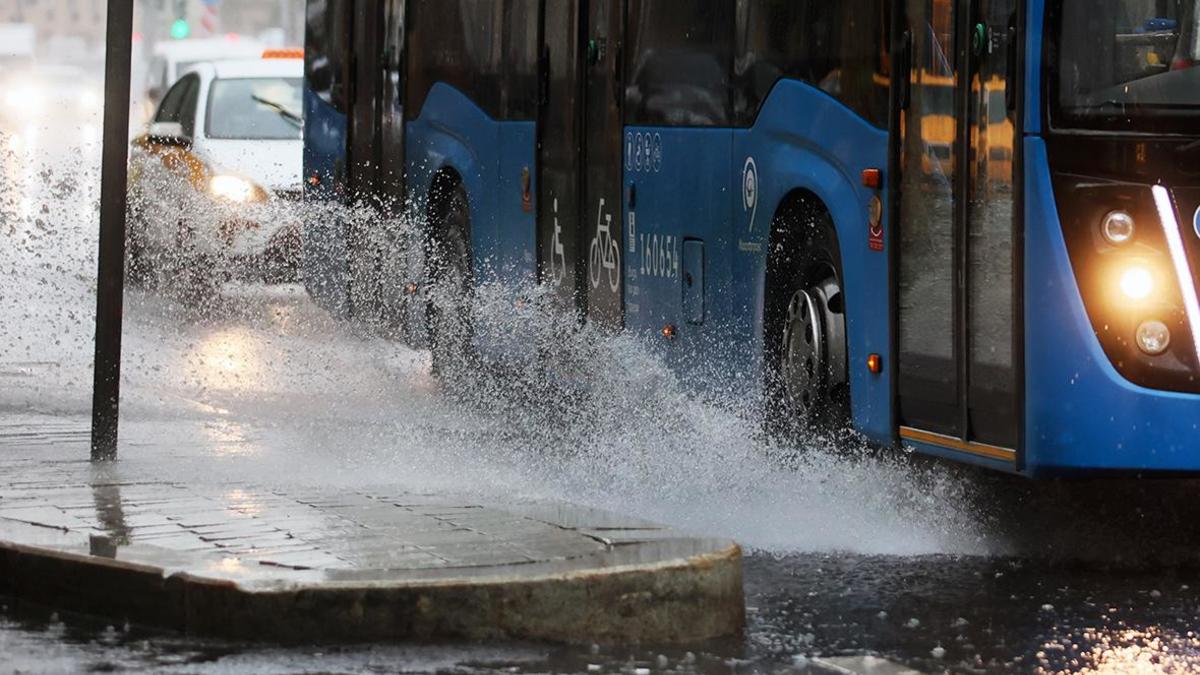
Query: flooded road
pixel 853 550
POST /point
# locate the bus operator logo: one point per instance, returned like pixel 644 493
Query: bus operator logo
pixel 750 190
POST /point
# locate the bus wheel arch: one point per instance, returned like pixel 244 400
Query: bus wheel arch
pixel 805 374
pixel 448 272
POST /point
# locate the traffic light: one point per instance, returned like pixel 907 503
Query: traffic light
pixel 180 29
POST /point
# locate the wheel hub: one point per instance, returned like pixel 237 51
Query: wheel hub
pixel 804 365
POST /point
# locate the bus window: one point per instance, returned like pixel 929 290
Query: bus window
pixel 678 71
pixel 453 42
pixel 518 91
pixel 843 48
pixel 326 51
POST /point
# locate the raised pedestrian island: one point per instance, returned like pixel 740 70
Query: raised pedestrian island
pixel 331 565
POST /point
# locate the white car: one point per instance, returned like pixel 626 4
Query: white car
pixel 215 179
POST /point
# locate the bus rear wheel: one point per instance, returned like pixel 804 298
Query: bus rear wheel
pixel 807 384
pixel 450 281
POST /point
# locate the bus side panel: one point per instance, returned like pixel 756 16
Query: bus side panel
pixel 516 206
pixel 324 234
pixel 805 140
pixel 676 250
pixel 1081 414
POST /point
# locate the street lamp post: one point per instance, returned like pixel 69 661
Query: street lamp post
pixel 110 278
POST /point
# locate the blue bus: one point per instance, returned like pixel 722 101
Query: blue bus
pixel 970 227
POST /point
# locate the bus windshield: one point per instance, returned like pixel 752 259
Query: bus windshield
pixel 1125 65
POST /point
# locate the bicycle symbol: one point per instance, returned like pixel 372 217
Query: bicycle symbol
pixel 558 271
pixel 605 252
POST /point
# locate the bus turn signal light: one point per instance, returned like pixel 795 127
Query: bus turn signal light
pixel 872 178
pixel 668 331
pixel 875 364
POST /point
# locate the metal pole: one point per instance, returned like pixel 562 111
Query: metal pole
pixel 110 278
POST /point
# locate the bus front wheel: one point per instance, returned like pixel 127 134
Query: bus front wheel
pixel 450 282
pixel 807 385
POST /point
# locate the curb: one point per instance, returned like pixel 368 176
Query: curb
pixel 663 601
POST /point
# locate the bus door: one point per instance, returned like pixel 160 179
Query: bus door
pixel 958 294
pixel 391 109
pixel 579 155
pixel 327 76
pixel 394 261
pixel 362 256
pixel 560 143
pixel 602 222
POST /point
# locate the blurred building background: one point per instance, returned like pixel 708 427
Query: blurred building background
pixel 74 29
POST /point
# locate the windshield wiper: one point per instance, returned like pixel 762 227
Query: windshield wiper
pixel 283 110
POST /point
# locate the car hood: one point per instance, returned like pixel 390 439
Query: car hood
pixel 275 165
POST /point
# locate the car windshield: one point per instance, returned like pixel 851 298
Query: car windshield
pixel 260 108
pixel 1127 65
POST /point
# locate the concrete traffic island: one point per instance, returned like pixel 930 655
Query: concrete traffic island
pixel 323 565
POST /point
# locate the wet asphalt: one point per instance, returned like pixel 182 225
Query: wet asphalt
pixel 933 614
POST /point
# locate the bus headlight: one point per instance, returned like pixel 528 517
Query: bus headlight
pixel 1118 228
pixel 1153 337
pixel 1137 283
pixel 232 188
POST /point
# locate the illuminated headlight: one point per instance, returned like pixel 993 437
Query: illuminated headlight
pixel 1153 337
pixel 232 188
pixel 1118 228
pixel 1137 283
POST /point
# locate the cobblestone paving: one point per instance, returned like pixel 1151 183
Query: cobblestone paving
pixel 344 534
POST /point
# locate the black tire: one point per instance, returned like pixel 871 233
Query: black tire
pixel 806 373
pixel 449 280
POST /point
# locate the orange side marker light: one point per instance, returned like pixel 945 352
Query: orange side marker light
pixel 872 178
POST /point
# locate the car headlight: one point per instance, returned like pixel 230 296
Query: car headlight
pixel 25 98
pixel 233 188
